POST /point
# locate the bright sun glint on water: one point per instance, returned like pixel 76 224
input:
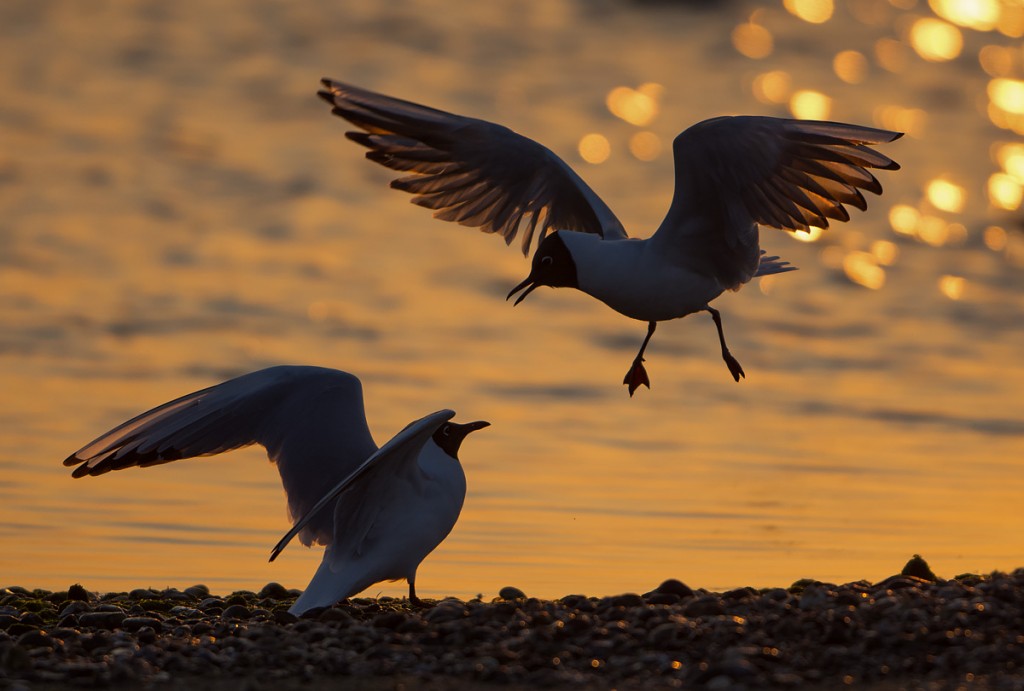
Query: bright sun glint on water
pixel 807 104
pixel 946 195
pixel 595 148
pixel 936 40
pixel 812 11
pixel 981 15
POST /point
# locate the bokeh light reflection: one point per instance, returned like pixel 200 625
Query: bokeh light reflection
pixel 811 11
pixel 812 234
pixel 752 40
pixel 772 87
pixel 981 15
pixel 1010 157
pixel 851 66
pixel 1007 94
pixel 946 195
pixel 904 219
pixel 594 148
pixel 862 268
pixel 808 104
pixel 936 40
pixel 952 286
pixel 636 106
pixel 1005 191
pixel 891 55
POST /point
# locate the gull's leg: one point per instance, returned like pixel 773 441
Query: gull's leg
pixel 637 375
pixel 413 600
pixel 730 361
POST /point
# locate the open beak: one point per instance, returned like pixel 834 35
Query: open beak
pixel 528 284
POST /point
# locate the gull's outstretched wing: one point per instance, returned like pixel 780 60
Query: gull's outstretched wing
pixel 733 173
pixel 472 171
pixel 396 461
pixel 310 419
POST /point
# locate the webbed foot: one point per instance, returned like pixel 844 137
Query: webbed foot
pixel 636 376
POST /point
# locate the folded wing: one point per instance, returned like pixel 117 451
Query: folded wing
pixel 361 495
pixel 310 419
pixel 472 171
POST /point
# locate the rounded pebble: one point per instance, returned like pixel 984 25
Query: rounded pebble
pixel 511 593
pixel 273 591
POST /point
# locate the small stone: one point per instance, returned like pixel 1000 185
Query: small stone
pixel 813 597
pixel 511 593
pixel 199 592
pixel 674 587
pixel 135 623
pixel 36 639
pixel 445 612
pixel 74 607
pixel 274 591
pixel 580 602
pixel 663 634
pixel 62 634
pixel 77 592
pixel 624 600
pixel 389 620
pixel 707 605
pixel 15 659
pixel 31 618
pixel 918 568
pixel 236 612
pixel 328 614
pixel 101 620
pixel 283 616
pixel 721 683
pixel 174 594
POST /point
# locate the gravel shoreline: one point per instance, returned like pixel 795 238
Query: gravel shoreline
pixel 911 630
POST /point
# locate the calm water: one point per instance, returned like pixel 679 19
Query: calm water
pixel 178 208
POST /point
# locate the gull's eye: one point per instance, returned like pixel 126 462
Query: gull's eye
pixel 446 430
pixel 547 261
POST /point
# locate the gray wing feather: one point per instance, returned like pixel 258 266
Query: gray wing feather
pixel 471 171
pixel 358 497
pixel 310 419
pixel 733 173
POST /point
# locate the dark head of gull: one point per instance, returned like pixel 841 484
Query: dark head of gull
pixel 449 436
pixel 553 266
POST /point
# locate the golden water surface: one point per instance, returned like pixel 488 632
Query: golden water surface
pixel 177 207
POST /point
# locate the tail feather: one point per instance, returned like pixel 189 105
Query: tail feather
pixel 324 589
pixel 333 582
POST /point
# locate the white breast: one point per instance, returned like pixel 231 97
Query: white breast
pixel 443 494
pixel 633 279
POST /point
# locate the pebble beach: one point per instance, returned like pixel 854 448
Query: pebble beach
pixel 911 630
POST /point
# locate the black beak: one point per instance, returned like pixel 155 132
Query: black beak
pixel 528 284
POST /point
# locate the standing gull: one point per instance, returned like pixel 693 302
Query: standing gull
pixel 731 175
pixel 379 512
